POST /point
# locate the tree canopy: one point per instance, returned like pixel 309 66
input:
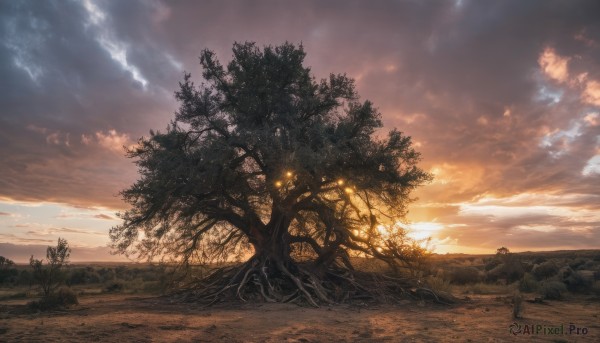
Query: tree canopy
pixel 263 160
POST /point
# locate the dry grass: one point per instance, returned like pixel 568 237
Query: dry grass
pixel 485 289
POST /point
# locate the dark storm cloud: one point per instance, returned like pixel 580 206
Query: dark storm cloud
pixel 462 77
pixel 62 94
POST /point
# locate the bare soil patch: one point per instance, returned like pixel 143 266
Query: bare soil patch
pixel 123 318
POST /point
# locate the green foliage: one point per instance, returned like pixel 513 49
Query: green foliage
pixel 63 298
pixel 50 275
pixel 261 155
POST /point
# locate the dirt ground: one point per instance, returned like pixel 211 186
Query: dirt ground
pixel 123 318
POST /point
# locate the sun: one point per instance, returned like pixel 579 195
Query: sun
pixel 422 230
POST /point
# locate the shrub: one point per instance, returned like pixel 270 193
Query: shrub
pixel 114 287
pixel 514 271
pixel 553 290
pixel 486 288
pixel 152 286
pixel 491 264
pixel 81 276
pixel 511 271
pixel 438 284
pixel 577 283
pixel 463 276
pixel 575 264
pixel 50 275
pixel 528 284
pixel 589 265
pixel 527 267
pixel 564 272
pixel 596 288
pixel 63 298
pixel 8 273
pixel 545 270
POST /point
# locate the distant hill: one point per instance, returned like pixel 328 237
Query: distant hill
pixel 550 254
pixel 21 253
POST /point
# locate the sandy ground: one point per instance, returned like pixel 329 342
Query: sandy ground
pixel 122 318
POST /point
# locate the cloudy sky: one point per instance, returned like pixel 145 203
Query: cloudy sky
pixel 502 98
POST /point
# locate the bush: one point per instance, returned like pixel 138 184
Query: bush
pixel 575 264
pixel 528 284
pixel 464 276
pixel 527 267
pixel 486 288
pixel 511 271
pixel 114 287
pixel 590 265
pixel 491 264
pixel 63 298
pixel 545 270
pixel 81 276
pixel 50 275
pixel 596 288
pixel 8 275
pixel 553 290
pixel 564 272
pixel 577 283
pixel 438 284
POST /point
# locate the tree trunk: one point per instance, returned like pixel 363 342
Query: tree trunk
pixel 273 247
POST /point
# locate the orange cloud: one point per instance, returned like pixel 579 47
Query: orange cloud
pixel 553 65
pixel 112 140
pixel 591 93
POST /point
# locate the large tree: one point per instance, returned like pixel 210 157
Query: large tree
pixel 263 160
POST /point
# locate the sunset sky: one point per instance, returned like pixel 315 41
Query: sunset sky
pixel 501 98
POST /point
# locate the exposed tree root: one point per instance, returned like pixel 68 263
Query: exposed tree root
pixel 273 281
